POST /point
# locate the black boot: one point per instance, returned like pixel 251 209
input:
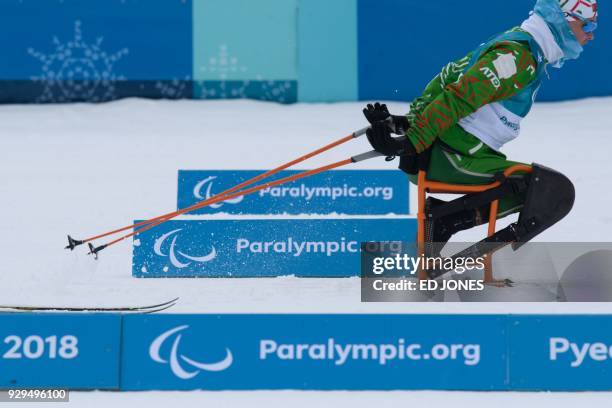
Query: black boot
pixel 439 231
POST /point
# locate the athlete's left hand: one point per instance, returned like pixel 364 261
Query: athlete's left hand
pixel 381 140
pixel 378 112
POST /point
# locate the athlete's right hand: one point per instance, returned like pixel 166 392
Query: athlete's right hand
pixel 381 140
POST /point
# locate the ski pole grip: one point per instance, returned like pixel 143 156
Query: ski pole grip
pixel 360 132
pixel 366 156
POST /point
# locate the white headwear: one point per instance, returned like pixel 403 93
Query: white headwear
pixel 584 8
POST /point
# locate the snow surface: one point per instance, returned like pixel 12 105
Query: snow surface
pixel 83 169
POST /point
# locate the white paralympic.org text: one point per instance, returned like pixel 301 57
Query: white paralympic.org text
pixel 296 247
pixel 341 353
pixel 344 191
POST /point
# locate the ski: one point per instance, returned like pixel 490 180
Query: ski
pixel 84 309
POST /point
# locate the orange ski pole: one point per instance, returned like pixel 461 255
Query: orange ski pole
pixel 73 243
pixel 365 156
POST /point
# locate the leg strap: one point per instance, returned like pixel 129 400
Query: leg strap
pixel 509 186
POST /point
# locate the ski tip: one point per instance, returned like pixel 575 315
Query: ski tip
pixel 159 309
pixel 73 243
pixel 94 250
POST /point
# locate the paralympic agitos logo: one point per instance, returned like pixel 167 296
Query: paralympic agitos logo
pixel 179 259
pixel 182 366
pixel 203 191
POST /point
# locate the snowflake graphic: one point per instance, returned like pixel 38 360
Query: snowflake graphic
pixel 223 89
pixel 278 91
pixel 78 71
pixel 174 89
pixel 221 66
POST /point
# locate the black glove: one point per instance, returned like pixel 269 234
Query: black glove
pixel 377 112
pixel 381 140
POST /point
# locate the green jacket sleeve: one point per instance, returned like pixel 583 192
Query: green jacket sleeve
pixel 501 72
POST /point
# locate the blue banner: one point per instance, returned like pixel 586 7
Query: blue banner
pixel 59 351
pixel 95 50
pixel 257 248
pixel 561 353
pixel 316 352
pixel 310 352
pixel 355 192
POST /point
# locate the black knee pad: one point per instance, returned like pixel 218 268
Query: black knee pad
pixel 550 197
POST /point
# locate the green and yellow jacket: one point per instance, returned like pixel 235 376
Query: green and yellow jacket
pixel 483 97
